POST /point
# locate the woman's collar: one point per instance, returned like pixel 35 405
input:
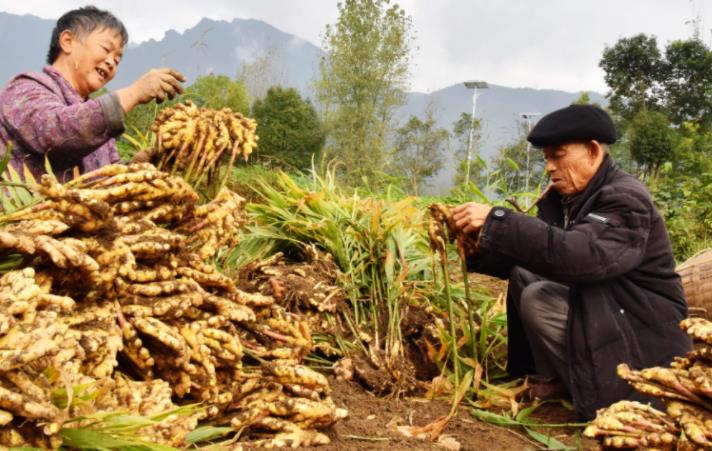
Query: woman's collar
pixel 67 90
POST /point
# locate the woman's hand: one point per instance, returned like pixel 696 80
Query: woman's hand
pixel 143 156
pixel 470 217
pixel 158 84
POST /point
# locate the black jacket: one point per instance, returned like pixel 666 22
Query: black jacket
pixel 610 245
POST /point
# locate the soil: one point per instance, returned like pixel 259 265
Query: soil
pixel 372 423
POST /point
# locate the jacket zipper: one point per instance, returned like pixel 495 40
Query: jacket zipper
pixel 566 217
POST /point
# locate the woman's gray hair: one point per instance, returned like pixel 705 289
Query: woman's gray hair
pixel 81 22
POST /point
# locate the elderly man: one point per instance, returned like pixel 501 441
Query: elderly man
pixel 592 280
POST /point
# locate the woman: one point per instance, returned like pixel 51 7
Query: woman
pixel 49 114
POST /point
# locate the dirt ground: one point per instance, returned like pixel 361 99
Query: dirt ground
pixel 372 422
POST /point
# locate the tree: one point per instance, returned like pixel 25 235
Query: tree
pixel 363 79
pixel 652 141
pixel 420 149
pixel 217 92
pixel 288 127
pixel 633 68
pixel 693 151
pixel 687 81
pixel 461 132
pixel 511 166
pixel 262 73
pixel 677 83
pixel 669 138
pixel 585 99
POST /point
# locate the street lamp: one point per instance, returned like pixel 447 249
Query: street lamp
pixel 528 117
pixel 474 85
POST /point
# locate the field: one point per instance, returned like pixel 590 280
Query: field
pixel 157 308
pixel 231 304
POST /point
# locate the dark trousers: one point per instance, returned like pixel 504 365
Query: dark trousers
pixel 542 307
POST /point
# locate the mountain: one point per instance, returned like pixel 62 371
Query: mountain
pixel 210 47
pixel 222 47
pixel 24 41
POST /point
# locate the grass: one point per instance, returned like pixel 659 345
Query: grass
pixel 377 243
pixel 380 244
pixel 524 419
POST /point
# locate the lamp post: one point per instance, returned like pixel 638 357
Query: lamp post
pixel 528 117
pixel 474 85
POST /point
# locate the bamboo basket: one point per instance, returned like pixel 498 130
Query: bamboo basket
pixel 696 274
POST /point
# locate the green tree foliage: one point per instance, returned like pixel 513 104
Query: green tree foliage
pixel 685 205
pixel 141 117
pixel 420 150
pixel 363 79
pixel 288 127
pixel 687 82
pixel 461 129
pixel 682 192
pixel 652 141
pixel 677 82
pixel 693 150
pixel 585 99
pixel 219 91
pixel 510 165
pixel 662 104
pixel 633 69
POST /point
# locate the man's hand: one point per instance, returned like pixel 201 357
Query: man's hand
pixel 470 217
pixel 158 84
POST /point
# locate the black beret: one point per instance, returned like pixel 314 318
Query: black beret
pixel 573 123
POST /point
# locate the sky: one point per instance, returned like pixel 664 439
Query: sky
pixel 542 44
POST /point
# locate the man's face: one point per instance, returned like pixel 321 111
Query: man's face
pixel 571 166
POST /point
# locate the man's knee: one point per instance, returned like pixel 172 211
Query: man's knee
pixel 519 279
pixel 533 301
pixel 541 302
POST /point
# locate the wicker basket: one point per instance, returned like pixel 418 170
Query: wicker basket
pixel 696 276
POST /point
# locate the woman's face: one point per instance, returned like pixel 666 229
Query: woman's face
pixel 95 59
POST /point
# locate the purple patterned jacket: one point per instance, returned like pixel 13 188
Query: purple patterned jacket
pixel 42 115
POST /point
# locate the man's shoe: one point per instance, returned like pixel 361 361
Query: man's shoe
pixel 546 389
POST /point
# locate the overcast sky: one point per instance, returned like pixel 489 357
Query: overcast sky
pixel 518 43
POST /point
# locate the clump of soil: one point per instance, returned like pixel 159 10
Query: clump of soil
pixel 310 286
